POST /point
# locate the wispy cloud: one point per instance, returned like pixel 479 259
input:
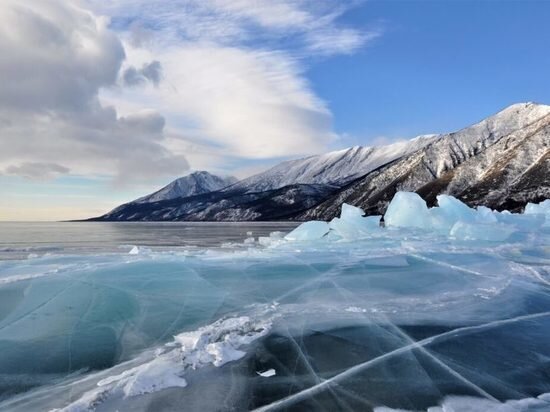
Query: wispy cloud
pixel 234 71
pixel 305 25
pixel 251 103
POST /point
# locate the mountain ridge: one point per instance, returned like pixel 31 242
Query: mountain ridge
pixel 502 161
pixel 436 165
pixel 336 167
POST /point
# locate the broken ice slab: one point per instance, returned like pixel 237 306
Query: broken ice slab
pixel 407 210
pixel 352 224
pixel 309 231
pixel 479 231
pixel 542 208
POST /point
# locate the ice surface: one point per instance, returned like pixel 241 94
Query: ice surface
pixel 481 231
pixel 156 375
pixel 542 208
pixel 407 210
pixel 471 404
pixel 454 218
pixel 268 373
pixel 219 343
pixel 214 344
pixel 353 225
pixel 449 315
pixel 308 231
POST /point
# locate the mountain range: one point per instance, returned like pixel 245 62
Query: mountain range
pixel 501 162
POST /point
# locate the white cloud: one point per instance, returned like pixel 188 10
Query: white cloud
pixel 329 41
pixel 253 103
pixel 232 22
pixel 151 72
pixel 234 70
pixel 37 171
pixel 56 58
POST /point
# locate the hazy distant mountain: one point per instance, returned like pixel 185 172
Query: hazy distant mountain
pixel 196 183
pixel 502 162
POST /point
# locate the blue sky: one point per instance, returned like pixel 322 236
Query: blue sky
pixel 439 66
pixel 159 88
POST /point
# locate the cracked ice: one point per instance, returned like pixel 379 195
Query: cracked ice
pixel 445 308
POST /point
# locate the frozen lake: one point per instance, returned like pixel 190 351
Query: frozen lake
pixel 18 240
pixel 203 317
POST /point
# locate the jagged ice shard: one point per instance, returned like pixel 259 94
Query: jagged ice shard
pixel 443 309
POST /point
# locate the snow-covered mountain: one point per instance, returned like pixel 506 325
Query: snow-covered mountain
pixel 334 168
pixel 500 162
pixel 296 186
pixel 196 183
pixel 283 203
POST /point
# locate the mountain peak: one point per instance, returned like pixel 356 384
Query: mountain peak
pixel 524 109
pixel 525 104
pixel 195 183
pixel 200 173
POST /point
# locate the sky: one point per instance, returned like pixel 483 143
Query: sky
pixel 103 101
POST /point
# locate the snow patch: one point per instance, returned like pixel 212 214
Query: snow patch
pixel 215 344
pixel 268 373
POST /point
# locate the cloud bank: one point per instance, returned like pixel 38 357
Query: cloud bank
pixel 56 58
pixel 136 90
